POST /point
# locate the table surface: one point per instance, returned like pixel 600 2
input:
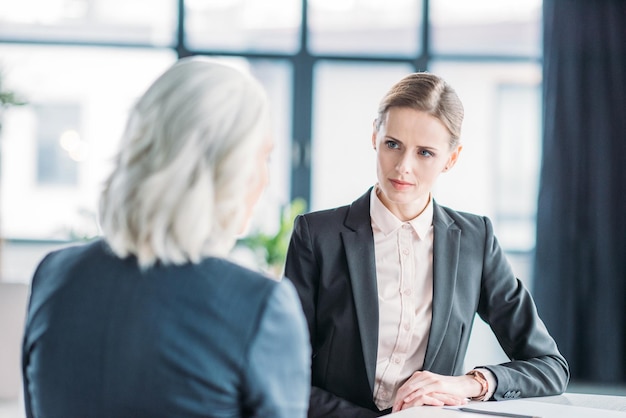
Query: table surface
pixel 609 402
pixel 568 405
pixel 12 408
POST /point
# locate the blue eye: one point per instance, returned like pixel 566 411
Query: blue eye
pixel 425 153
pixel 392 144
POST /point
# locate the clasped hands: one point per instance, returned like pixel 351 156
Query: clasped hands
pixel 427 388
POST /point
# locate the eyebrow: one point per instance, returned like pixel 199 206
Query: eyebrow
pixel 418 146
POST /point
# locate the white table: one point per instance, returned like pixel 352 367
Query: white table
pixel 12 408
pixel 568 405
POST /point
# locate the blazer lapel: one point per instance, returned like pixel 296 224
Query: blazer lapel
pixel 446 243
pixel 358 243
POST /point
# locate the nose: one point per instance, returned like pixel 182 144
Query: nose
pixel 405 163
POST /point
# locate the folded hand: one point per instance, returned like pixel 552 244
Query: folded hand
pixel 427 388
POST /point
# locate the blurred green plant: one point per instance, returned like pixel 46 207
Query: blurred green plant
pixel 273 248
pixel 8 98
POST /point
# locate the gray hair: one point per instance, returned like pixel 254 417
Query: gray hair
pixel 179 186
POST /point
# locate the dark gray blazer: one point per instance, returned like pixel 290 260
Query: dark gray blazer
pixel 331 262
pixel 213 339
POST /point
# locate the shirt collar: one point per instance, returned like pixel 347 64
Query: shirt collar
pixel 387 222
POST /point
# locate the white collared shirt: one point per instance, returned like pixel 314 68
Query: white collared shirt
pixel 404 274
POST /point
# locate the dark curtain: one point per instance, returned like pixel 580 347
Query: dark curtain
pixel 580 261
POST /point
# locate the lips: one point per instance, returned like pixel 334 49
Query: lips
pixel 400 185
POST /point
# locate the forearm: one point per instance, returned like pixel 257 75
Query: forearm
pixel 541 376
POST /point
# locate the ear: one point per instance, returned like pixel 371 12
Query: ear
pixel 374 134
pixel 452 159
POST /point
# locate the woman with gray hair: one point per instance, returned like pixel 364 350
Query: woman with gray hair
pixel 152 320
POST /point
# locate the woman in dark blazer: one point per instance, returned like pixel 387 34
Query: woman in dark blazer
pixel 390 284
pixel 153 320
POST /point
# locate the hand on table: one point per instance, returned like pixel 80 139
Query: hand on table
pixel 427 388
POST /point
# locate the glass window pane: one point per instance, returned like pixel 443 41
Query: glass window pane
pixel 509 27
pixel 99 85
pixel 117 21
pixel 346 98
pixel 59 144
pixel 57 149
pixel 497 172
pixel 518 155
pixel 243 25
pixel 368 27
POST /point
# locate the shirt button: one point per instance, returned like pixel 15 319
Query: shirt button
pixel 407 292
pixel 407 327
pixel 405 252
pixel 406 226
pixel 396 360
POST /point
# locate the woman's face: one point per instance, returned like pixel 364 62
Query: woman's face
pixel 412 149
pixel 259 180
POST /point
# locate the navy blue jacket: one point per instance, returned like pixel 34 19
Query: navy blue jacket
pixel 104 339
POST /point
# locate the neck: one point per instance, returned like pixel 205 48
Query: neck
pixel 405 212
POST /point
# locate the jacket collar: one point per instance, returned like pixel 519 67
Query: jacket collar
pixel 446 251
pixel 358 244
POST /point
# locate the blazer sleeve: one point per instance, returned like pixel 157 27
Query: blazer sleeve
pixel 301 267
pixel 537 368
pixel 277 380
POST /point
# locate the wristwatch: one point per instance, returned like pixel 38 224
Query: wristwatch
pixel 480 378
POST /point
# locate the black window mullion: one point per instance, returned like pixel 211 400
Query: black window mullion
pixel 302 115
pixel 181 48
pixel 422 61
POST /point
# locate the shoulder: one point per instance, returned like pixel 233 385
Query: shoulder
pixel 222 273
pixel 465 221
pixel 356 213
pixel 255 290
pixel 231 269
pixel 74 253
pixel 60 263
pixel 325 217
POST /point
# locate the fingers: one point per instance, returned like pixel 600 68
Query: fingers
pixel 417 381
pixel 449 399
pixel 433 399
pixel 422 400
pixel 426 388
pixel 419 384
